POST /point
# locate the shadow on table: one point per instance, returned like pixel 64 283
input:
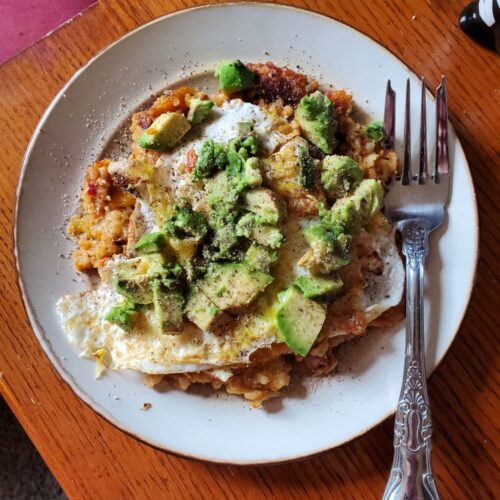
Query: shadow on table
pixel 23 473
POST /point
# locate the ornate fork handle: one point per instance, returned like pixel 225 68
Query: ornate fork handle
pixel 411 474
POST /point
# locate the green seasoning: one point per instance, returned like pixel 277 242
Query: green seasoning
pixel 234 76
pixel 316 116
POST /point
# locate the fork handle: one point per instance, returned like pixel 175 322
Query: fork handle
pixel 411 475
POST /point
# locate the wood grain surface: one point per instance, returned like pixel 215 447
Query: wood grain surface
pixel 92 459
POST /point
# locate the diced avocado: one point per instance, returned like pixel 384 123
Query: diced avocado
pixel 203 312
pixel 340 175
pixel 136 288
pixel 184 248
pixel 150 243
pixel 186 223
pixel 343 216
pixel 260 258
pixel 265 204
pixel 198 110
pixel 211 158
pixel 234 76
pixel 226 243
pixel 123 315
pixel 150 264
pixel 166 131
pixel 239 151
pixel 375 131
pixel 268 236
pixel 299 320
pixel 168 307
pixel 349 214
pixel 264 234
pixel 251 175
pixel 133 277
pixel 317 119
pixel 307 168
pixel 368 198
pixel 325 287
pixel 330 250
pixel 233 286
pixel 221 193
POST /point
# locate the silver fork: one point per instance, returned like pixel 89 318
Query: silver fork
pixel 416 204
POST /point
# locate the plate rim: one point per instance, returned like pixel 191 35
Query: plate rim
pixel 45 343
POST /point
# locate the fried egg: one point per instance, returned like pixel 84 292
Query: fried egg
pixel 146 350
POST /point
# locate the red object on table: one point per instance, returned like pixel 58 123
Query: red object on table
pixel 23 22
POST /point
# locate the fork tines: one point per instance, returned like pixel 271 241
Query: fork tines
pixel 442 163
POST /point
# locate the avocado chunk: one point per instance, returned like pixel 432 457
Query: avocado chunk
pixel 135 288
pixel 340 175
pixel 375 131
pixel 329 251
pixel 299 320
pixel 239 150
pixel 150 243
pixel 123 315
pixel 351 213
pixel 251 175
pixel 260 258
pixel 343 217
pixel 198 110
pixel 166 131
pixel 264 234
pixel 320 287
pixel 185 248
pixel 204 313
pixel 268 236
pixel 317 119
pixel 133 277
pixel 168 307
pixel 211 158
pixel 368 199
pixel 221 193
pixel 186 223
pixel 150 264
pixel 307 168
pixel 234 76
pixel 265 204
pixel 233 286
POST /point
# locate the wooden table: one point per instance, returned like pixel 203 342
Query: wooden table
pixel 92 459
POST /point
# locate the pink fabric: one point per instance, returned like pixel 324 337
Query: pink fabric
pixel 23 22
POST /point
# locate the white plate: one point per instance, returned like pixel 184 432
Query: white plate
pixel 312 418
